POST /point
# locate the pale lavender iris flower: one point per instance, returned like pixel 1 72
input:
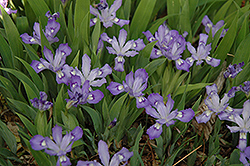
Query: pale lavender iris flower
pixel 122 156
pixel 96 77
pixel 169 44
pixel 209 25
pixel 134 84
pixel 60 146
pixel 107 15
pixel 218 106
pixel 4 4
pixel 54 64
pixel 201 53
pixel 121 49
pixel 164 114
pixel 233 70
pixel 81 94
pixel 50 31
pixel 42 104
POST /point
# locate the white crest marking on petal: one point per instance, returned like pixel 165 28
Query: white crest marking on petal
pixel 119 59
pixel 32 39
pixel 180 114
pixel 120 87
pixel 243 136
pixel 40 66
pixel 90 97
pixel 157 126
pixel 180 62
pixel 62 158
pixel 43 143
pixel 208 58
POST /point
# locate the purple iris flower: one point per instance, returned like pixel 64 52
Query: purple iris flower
pixel 60 146
pixel 107 15
pixel 245 88
pixel 54 64
pixel 233 70
pixel 245 156
pixel 201 53
pixel 82 94
pixel 96 77
pixel 51 30
pixel 121 49
pixel 164 115
pixel 169 44
pixel 243 123
pixel 135 84
pixel 4 4
pixel 42 104
pixel 217 106
pixel 122 156
pixel 208 25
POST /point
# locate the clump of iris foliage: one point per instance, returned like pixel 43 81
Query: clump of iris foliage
pixel 80 73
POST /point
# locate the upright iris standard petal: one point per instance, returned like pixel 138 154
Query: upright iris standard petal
pixel 103 153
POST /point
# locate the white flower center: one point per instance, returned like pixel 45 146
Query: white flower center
pixel 62 159
pixel 158 52
pixel 95 20
pixel 120 87
pixel 209 25
pixel 141 99
pixel 110 40
pixel 40 66
pixel 100 72
pixel 52 30
pixel 179 61
pixel 120 157
pixel 73 72
pixel 90 97
pixel 208 58
pixel 116 19
pixel 229 109
pixel 157 126
pixel 32 39
pixel 208 112
pixel 151 39
pixel 43 143
pixel 60 74
pixel 243 135
pixel 119 58
pixel 180 114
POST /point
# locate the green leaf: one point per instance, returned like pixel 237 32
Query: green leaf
pixel 153 66
pixel 144 56
pixel 34 76
pixel 81 11
pixel 227 41
pixel 173 7
pixel 117 106
pixel 40 157
pixel 134 159
pixel 8 137
pixel 185 23
pixel 24 79
pixel 12 34
pixel 96 35
pixel 27 124
pixel 96 118
pixel 10 87
pixel 222 11
pixel 31 52
pixel 190 87
pixel 40 8
pixel 41 123
pixel 23 108
pixel 141 18
pixel 6 53
pixel 76 60
pixel 69 120
pixel 59 105
pixel 243 53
